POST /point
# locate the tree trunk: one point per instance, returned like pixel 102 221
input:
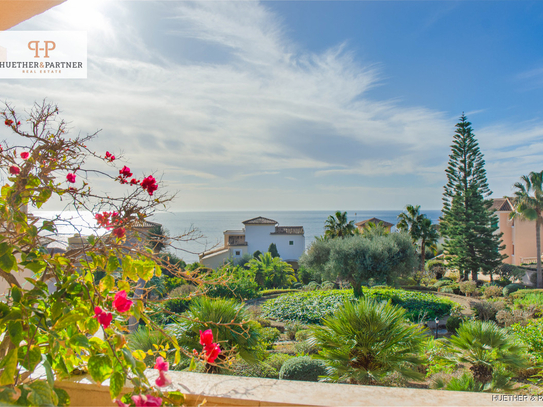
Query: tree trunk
pixel 357 289
pixel 422 256
pixel 538 242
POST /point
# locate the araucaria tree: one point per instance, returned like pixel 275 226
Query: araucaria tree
pixel 468 224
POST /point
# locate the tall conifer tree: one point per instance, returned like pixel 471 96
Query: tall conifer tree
pixel 468 224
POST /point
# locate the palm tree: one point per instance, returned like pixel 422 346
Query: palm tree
pixel 272 272
pixel 421 230
pixel 337 226
pixel 529 206
pixel 485 346
pixel 371 230
pixel 365 340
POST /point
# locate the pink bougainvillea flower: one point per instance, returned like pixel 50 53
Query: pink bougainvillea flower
pixel 103 317
pixel 134 181
pixel 120 403
pixel 149 184
pixel 110 156
pixel 212 352
pixel 14 170
pixel 25 155
pixel 147 401
pixel 70 178
pixel 125 172
pixel 121 303
pixel 162 380
pixel 161 365
pixel 206 337
pixel 119 233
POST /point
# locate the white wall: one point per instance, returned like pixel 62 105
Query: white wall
pixel 258 237
pixel 286 251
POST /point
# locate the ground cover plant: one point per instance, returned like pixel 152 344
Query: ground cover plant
pixel 310 307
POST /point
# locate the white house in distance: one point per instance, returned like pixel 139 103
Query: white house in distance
pixel 257 234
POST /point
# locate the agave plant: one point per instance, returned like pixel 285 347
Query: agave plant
pixel 365 340
pixel 229 322
pixel 486 347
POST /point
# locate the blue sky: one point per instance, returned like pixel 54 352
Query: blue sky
pixel 303 105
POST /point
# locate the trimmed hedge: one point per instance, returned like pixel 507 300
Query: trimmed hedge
pixel 311 307
pixel 302 368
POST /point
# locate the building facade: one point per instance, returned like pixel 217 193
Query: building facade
pixel 257 235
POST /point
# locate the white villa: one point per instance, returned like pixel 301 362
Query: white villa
pixel 257 234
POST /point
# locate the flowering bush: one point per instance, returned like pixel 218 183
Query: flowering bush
pixel 59 319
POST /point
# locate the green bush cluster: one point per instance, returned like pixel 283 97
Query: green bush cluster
pixel 311 307
pixel 302 368
pixel 511 288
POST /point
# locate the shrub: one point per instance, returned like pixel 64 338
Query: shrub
pixel 291 328
pixel 311 307
pixel 486 310
pixel 302 368
pixel 436 267
pixel 506 317
pixel 447 289
pixel 234 282
pixel 145 340
pixel 531 334
pixel 486 346
pixel 240 367
pixel 306 348
pixel 493 291
pixel 468 287
pixel 303 334
pixel 313 285
pixel 269 336
pixel 511 288
pixel 327 285
pixel 276 360
pixel 443 282
pixel 453 323
pixel 364 341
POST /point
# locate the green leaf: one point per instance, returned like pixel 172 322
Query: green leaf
pixel 40 394
pixel 192 365
pixel 49 373
pixel 15 329
pixel 49 226
pixel 16 294
pixel 4 248
pixel 123 285
pixel 176 397
pixel 129 358
pixel 99 367
pixel 9 396
pixel 107 283
pixel 80 340
pixel 113 263
pixel 139 354
pixel 67 320
pixel 8 262
pixel 116 384
pixel 9 363
pixel 158 271
pixel 177 357
pixel 29 358
pixel 145 271
pixel 63 397
pixel 36 266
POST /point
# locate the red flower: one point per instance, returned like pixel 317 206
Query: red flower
pixel 103 317
pixel 25 155
pixel 206 338
pixel 147 401
pixel 212 352
pixel 149 184
pixel 161 365
pixel 14 170
pixel 18 123
pixel 125 172
pixel 134 181
pixel 121 303
pixel 70 178
pixel 162 380
pixel 110 156
pixel 8 122
pixel 119 232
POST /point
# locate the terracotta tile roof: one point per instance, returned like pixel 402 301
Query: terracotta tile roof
pixel 502 204
pixel 260 221
pixel 288 230
pixel 374 221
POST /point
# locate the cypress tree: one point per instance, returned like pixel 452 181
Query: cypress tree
pixel 468 223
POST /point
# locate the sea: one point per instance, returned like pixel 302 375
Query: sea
pixel 210 226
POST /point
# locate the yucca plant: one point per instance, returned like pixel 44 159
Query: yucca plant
pixel 486 347
pixel 229 322
pixel 365 340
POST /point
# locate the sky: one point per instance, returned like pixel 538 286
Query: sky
pixel 302 105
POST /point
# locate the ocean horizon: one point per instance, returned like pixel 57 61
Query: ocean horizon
pixel 210 225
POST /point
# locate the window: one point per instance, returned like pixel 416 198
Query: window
pixel 291 242
pixel 238 252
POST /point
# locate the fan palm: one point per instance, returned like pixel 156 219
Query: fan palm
pixel 529 206
pixel 229 322
pixel 420 228
pixel 337 226
pixel 272 272
pixel 365 340
pixel 486 346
